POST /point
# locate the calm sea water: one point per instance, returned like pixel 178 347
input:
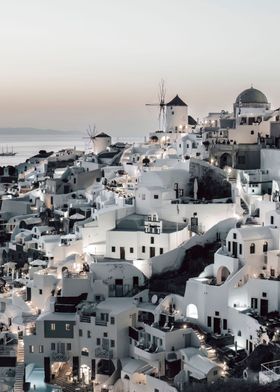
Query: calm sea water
pixel 28 145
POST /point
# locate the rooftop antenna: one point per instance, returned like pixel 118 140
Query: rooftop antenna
pixel 161 105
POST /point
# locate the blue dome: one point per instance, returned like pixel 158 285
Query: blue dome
pixel 251 95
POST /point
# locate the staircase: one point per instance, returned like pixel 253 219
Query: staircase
pixel 62 381
pixel 18 387
pixel 244 207
pixel 211 352
pixel 67 386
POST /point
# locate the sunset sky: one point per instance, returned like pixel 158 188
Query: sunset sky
pixel 69 63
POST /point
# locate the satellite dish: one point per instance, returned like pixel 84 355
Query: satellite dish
pixel 154 299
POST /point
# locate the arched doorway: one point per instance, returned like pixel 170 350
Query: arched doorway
pixel 192 311
pixel 222 274
pixel 225 160
pixel 85 374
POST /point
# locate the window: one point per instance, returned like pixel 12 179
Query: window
pixel 80 332
pixel 272 220
pixel 160 251
pixel 240 249
pixel 239 333
pixel 264 295
pixel 217 313
pixel 88 334
pixel 52 346
pixel 252 248
pixel 143 249
pixel 209 321
pixel 224 323
pixel 228 245
pixel 131 250
pixel 40 291
pixel 113 249
pixel 252 132
pixel 152 240
pixel 68 346
pixel 112 343
pixel 98 342
pixel 155 196
pixel 215 372
pixel 254 303
pixel 234 236
pixel 143 196
pixel 52 326
pixel 31 349
pixel 67 327
pixel 41 348
pixel 84 352
pixel 105 334
pixel 112 320
pixel 272 272
pixel 265 247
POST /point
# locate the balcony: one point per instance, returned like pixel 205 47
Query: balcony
pixel 103 353
pixel 84 318
pixel 100 322
pixel 148 352
pixel 270 371
pixel 60 357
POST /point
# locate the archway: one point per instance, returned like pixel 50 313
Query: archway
pixel 225 160
pixel 85 374
pixel 192 311
pixel 222 274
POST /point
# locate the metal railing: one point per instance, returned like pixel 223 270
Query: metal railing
pixel 101 352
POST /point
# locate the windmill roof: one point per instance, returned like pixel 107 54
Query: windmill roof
pixel 176 101
pixel 102 134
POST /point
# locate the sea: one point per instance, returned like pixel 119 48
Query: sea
pixel 27 143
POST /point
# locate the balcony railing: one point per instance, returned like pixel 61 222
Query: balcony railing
pixel 101 352
pixel 101 322
pixel 270 371
pixel 84 318
pixel 60 357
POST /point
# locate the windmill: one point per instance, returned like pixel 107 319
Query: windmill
pixel 161 105
pixel 91 132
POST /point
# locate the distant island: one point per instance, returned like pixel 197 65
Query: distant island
pixel 34 131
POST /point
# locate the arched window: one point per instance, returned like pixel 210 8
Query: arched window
pixel 192 311
pixel 265 246
pixel 252 248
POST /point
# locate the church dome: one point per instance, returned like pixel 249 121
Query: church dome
pixel 251 96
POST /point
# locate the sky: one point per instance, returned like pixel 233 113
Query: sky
pixel 65 64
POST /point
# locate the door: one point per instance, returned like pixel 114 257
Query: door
pixel 234 248
pixel 264 307
pixel 61 348
pixel 105 344
pixel 250 347
pixel 119 287
pixel 217 325
pixel 122 253
pixel 135 281
pixel 152 251
pixel 47 369
pixel 93 369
